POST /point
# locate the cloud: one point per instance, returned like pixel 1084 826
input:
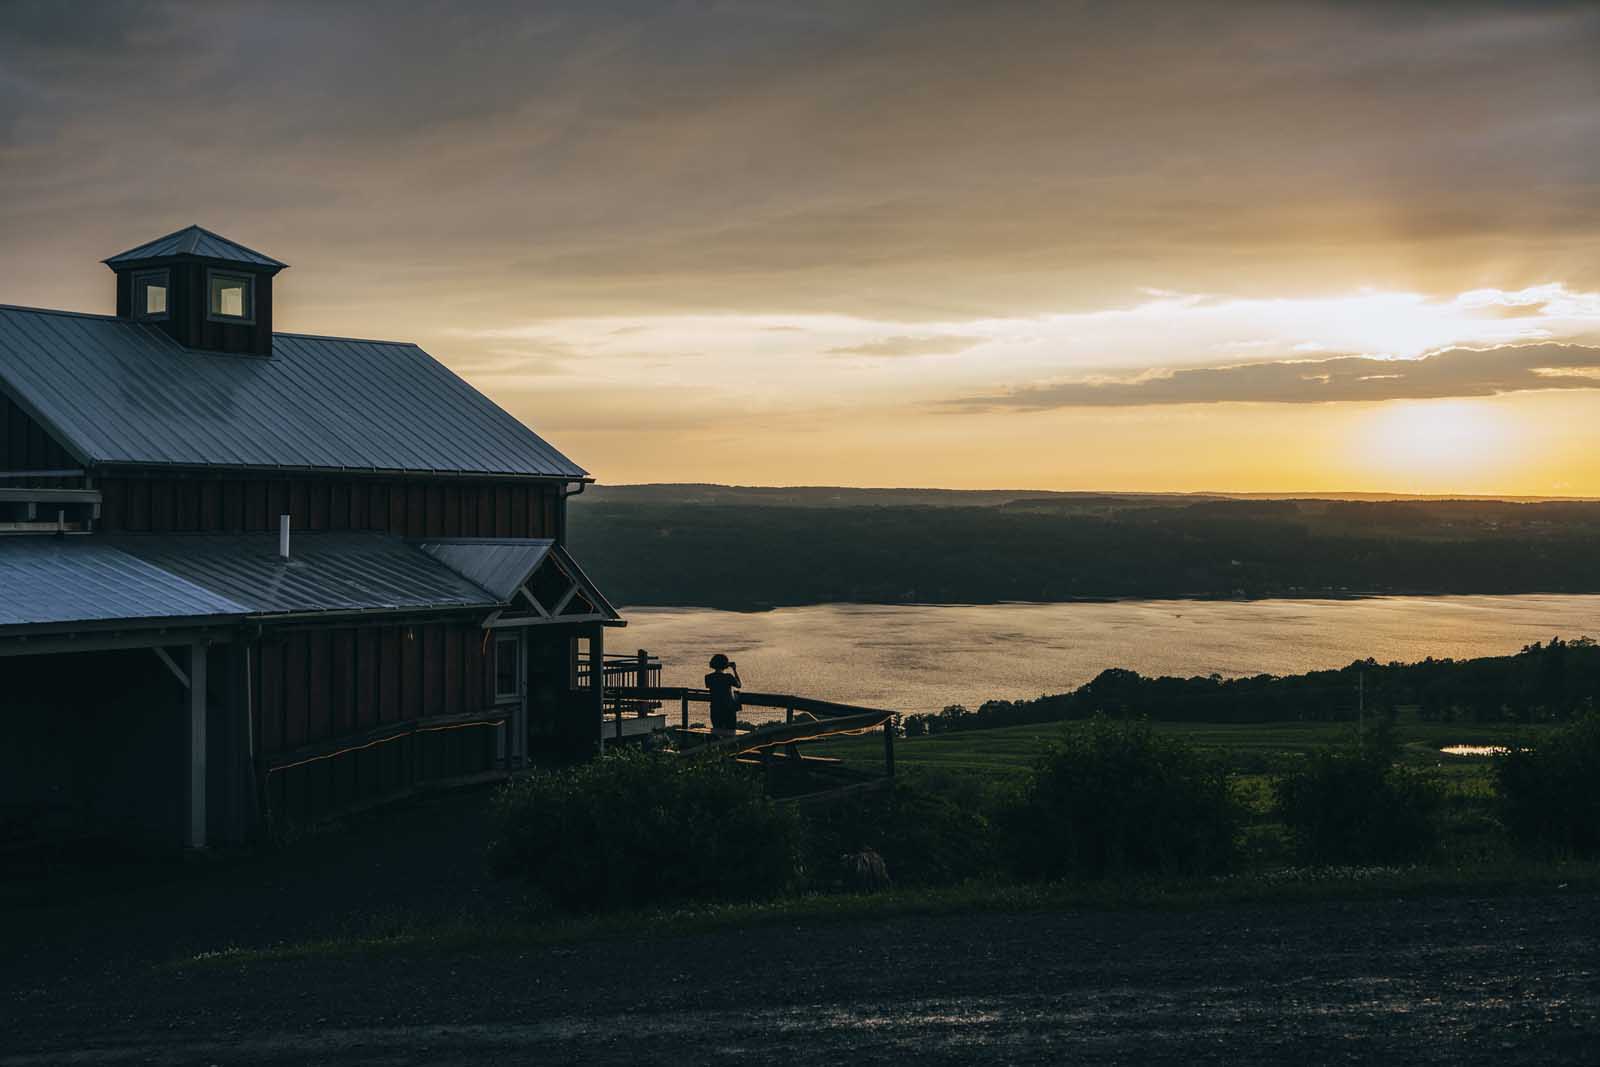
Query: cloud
pixel 959 161
pixel 937 345
pixel 1454 372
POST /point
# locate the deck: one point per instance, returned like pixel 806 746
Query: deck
pixel 789 774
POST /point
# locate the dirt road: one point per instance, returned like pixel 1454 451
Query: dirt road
pixel 1509 980
pixel 1496 980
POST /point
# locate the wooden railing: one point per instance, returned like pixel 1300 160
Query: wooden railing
pixel 823 718
pixel 640 670
pixel 377 735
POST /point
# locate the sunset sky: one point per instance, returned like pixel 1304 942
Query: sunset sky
pixel 1253 247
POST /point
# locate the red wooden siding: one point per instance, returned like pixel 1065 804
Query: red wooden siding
pixel 411 509
pixel 311 686
pixel 316 685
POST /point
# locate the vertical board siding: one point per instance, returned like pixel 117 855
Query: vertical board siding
pixel 389 676
pixel 455 695
pixel 317 685
pixel 343 677
pixel 24 445
pixel 366 678
pixel 409 509
pixel 410 675
pixel 296 690
pixel 314 685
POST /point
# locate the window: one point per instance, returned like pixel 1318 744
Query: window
pixel 507 667
pixel 583 665
pixel 232 297
pixel 150 295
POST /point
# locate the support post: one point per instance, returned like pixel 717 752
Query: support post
pixel 686 711
pixel 197 745
pixel 888 747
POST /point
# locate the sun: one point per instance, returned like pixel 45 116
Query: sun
pixel 1436 445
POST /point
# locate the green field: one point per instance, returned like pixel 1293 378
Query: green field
pixel 1253 748
pixel 1254 753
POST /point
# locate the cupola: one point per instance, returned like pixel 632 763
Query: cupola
pixel 203 290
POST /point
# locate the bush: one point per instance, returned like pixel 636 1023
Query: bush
pixel 1356 805
pixel 1118 798
pixel 1550 795
pixel 636 829
pixel 925 835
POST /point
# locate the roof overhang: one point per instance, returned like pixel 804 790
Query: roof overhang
pixel 88 592
pixel 537 580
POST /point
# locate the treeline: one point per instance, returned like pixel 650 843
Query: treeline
pixel 749 556
pixel 1552 682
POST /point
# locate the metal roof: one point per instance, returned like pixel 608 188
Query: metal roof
pixel 504 565
pixel 151 577
pixel 194 241
pixel 498 565
pixel 324 572
pixel 119 392
pixel 76 579
pixel 57 582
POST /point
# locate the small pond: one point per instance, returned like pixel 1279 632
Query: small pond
pixel 1474 750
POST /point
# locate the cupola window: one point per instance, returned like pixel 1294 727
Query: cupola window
pixel 150 294
pixel 231 297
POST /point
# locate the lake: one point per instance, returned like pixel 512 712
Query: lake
pixel 922 657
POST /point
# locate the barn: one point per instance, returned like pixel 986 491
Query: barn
pixel 249 578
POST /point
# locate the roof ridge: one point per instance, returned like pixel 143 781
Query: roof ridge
pixel 336 337
pixel 186 242
pixel 275 333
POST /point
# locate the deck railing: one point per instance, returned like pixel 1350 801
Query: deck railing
pixel 618 673
pixel 804 719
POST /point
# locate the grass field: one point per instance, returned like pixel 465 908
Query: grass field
pixel 1255 753
pixel 1251 748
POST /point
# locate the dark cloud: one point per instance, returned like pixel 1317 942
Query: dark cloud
pixel 906 160
pixel 936 345
pixel 1455 372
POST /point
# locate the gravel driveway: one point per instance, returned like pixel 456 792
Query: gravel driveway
pixel 1507 979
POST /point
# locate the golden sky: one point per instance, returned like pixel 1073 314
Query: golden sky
pixel 1254 247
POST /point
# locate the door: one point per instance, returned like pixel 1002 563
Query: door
pixel 511 697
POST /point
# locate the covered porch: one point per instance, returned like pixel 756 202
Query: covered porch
pixel 186 690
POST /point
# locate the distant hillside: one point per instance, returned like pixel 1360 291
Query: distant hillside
pixel 824 496
pixel 742 548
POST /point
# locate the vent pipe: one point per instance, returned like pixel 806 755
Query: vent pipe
pixel 283 537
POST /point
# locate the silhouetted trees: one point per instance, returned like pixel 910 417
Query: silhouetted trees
pixel 744 556
pixel 1553 682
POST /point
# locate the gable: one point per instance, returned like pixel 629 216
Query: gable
pixel 537 580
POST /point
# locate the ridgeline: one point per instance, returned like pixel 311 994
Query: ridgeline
pixel 755 548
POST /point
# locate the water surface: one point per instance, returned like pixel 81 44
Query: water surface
pixel 923 657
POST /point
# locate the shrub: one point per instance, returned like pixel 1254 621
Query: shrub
pixel 1356 805
pixel 924 834
pixel 636 829
pixel 1118 798
pixel 1550 795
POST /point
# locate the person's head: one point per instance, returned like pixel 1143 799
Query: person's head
pixel 719 662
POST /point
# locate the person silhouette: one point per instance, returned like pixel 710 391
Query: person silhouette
pixel 722 681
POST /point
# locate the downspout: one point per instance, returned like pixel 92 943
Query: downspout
pixel 567 492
